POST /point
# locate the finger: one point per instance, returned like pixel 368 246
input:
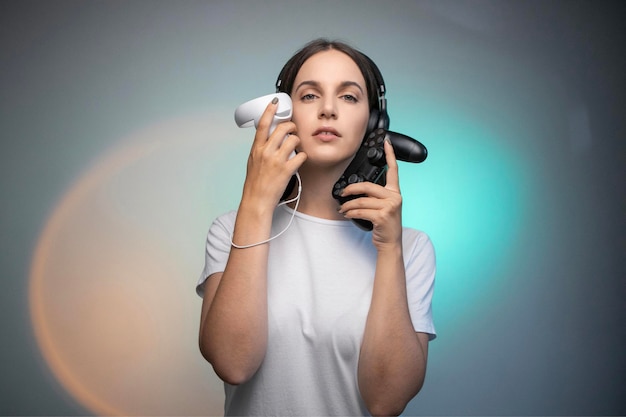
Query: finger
pixel 282 132
pixel 393 183
pixel 377 211
pixel 288 145
pixel 263 129
pixel 362 203
pixel 368 188
pixel 296 162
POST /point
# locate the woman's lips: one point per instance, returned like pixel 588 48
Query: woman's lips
pixel 326 134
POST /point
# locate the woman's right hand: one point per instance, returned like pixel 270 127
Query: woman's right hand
pixel 269 164
pixel 233 330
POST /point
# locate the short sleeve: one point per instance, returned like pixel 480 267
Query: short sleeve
pixel 420 267
pixel 217 248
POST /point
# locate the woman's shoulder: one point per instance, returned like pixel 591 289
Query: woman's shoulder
pixel 416 240
pixel 413 234
pixel 226 217
pixel 224 222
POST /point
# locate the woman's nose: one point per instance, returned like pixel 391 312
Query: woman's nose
pixel 328 109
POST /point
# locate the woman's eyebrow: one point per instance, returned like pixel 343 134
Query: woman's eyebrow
pixel 352 84
pixel 343 85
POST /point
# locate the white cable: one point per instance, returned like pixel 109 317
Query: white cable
pixel 296 199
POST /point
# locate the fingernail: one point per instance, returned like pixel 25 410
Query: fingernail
pixel 387 140
pixel 275 100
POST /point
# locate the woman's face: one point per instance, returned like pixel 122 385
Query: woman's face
pixel 330 108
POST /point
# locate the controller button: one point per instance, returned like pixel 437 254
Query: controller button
pixel 353 179
pixel 375 155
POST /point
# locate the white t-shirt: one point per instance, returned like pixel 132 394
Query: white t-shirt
pixel 320 278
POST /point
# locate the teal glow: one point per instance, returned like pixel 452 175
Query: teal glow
pixel 470 197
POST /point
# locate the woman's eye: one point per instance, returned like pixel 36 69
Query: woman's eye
pixel 350 98
pixel 308 97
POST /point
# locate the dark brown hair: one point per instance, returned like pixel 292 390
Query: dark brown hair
pixel 373 78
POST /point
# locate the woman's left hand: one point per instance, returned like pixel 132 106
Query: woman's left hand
pixel 381 205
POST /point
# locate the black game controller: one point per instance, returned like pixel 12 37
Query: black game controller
pixel 369 164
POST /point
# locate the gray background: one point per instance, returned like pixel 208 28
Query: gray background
pixel 521 104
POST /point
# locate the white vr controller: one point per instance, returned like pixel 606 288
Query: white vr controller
pixel 249 113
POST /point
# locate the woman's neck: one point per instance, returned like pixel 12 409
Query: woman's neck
pixel 316 199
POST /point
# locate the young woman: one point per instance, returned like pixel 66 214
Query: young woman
pixel 325 319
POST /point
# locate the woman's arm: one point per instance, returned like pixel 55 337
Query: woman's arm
pixel 392 361
pixel 233 325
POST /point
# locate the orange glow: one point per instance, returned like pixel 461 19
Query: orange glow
pixel 112 279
